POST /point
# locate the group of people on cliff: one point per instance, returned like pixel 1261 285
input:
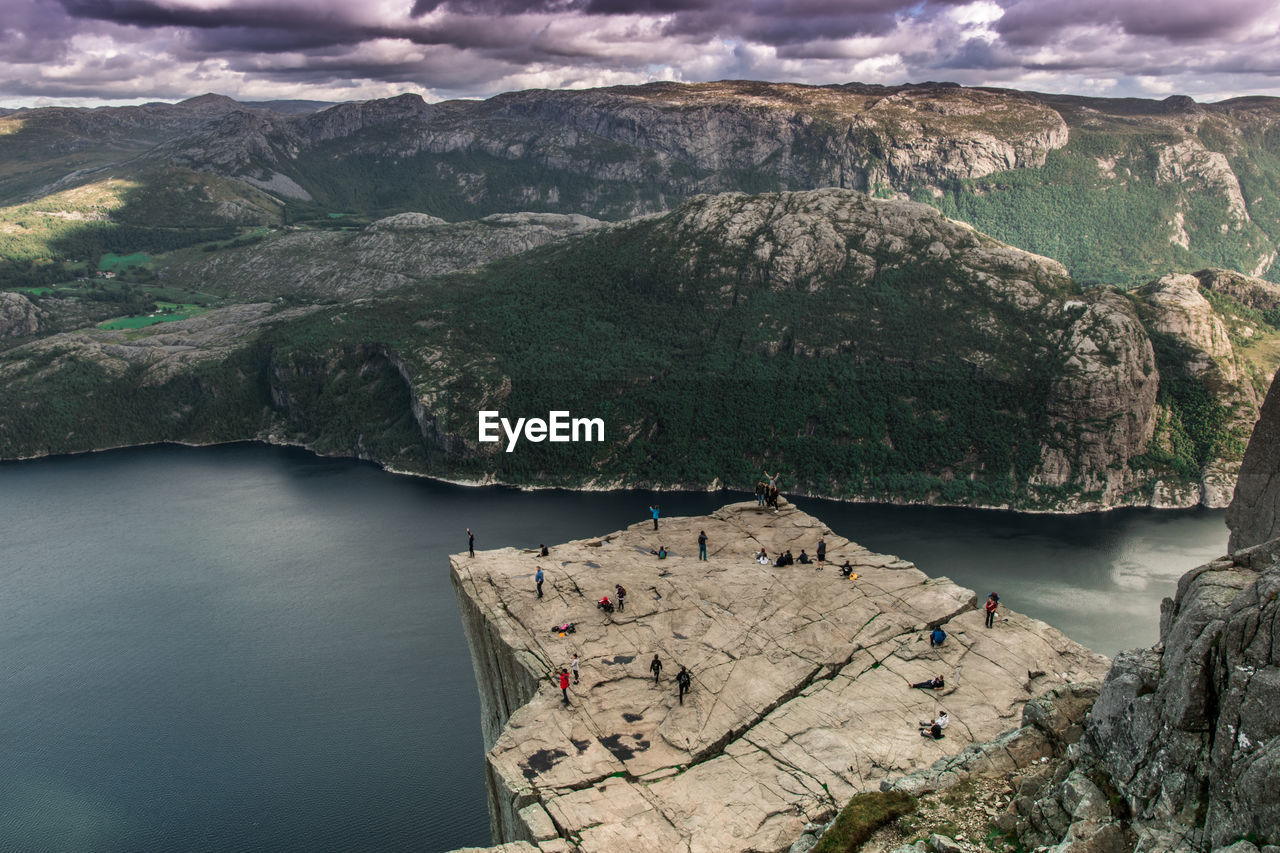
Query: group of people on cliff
pixel 767 491
pixel 684 678
pixel 932 728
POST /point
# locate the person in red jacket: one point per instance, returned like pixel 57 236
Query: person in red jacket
pixel 564 685
pixel 993 601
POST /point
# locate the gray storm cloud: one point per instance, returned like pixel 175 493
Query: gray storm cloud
pixel 476 48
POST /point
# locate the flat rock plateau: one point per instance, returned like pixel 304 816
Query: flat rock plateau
pixel 800 694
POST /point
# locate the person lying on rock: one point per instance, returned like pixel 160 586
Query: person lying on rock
pixel 566 628
pixel 934 727
pixel 931 684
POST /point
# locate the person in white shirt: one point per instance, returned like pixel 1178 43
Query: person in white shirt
pixel 934 728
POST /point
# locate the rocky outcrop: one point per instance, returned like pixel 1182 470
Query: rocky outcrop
pixel 800 691
pixel 1255 293
pixel 1181 752
pixel 1189 160
pixel 1102 404
pixel 1178 310
pixel 1254 515
pixel 19 317
pixel 1198 353
pixel 1051 723
pixel 390 253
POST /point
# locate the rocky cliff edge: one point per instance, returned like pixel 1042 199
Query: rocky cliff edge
pixel 1181 752
pixel 800 692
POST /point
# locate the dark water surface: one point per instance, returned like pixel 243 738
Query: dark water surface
pixel 249 648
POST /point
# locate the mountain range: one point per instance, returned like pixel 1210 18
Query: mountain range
pixel 924 292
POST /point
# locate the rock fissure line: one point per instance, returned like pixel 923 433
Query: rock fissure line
pixel 798 771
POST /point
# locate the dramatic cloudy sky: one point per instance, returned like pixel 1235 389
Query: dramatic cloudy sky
pixel 128 51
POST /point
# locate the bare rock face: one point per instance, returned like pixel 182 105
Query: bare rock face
pixel 1255 293
pixel 1108 389
pixel 19 317
pixel 1175 307
pixel 389 253
pixel 1183 734
pixel 1189 161
pixel 1254 515
pixel 800 692
pixel 1183 740
pixel 1179 310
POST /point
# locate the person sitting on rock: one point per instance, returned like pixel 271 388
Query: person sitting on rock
pixel 937 638
pixel 605 604
pixel 762 558
pixel 846 569
pixel 934 727
pixel 790 559
pixel 935 683
pixel 544 552
pixel 661 552
pixel 804 558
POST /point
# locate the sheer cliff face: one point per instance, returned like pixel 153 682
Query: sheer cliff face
pixel 689 138
pixel 1254 515
pixel 1102 406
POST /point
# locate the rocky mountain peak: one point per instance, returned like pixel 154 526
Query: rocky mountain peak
pixel 210 102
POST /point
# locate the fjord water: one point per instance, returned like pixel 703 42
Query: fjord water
pixel 249 648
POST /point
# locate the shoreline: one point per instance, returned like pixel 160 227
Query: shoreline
pixel 270 441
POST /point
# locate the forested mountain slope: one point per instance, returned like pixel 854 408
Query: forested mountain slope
pixel 869 348
pixel 1119 191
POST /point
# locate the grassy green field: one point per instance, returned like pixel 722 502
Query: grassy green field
pixel 111 261
pixel 166 312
